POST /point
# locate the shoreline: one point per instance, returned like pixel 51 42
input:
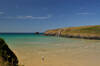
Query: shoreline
pixel 78 36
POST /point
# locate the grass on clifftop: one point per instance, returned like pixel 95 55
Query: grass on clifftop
pixel 82 30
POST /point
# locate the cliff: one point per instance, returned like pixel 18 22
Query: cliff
pixel 7 57
pixel 87 32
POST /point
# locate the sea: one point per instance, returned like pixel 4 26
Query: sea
pixel 40 50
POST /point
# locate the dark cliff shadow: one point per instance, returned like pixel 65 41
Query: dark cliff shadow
pixel 7 56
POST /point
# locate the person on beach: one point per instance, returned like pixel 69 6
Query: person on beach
pixel 42 58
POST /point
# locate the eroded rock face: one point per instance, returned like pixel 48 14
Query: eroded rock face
pixel 7 57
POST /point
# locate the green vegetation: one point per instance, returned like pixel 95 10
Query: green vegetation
pixel 80 32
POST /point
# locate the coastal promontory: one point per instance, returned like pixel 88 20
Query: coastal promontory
pixel 86 32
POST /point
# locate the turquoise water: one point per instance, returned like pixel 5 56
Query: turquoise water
pixel 58 51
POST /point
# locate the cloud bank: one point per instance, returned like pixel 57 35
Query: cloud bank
pixel 1 13
pixel 82 13
pixel 27 17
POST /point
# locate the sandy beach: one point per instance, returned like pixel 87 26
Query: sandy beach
pixel 81 56
pixel 36 50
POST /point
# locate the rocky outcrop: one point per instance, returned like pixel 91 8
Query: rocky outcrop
pixel 7 57
pixel 37 33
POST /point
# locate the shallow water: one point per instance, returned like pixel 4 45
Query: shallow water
pixel 56 51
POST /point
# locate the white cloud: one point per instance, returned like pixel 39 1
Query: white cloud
pixel 82 13
pixel 85 13
pixel 27 17
pixel 33 17
pixel 23 17
pixel 44 17
pixel 1 13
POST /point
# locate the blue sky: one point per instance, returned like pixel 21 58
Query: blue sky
pixel 41 15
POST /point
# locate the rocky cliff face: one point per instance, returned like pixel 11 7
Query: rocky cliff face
pixel 7 57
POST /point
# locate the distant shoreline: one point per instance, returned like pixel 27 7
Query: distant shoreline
pixel 19 33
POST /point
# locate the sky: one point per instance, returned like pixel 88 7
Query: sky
pixel 41 15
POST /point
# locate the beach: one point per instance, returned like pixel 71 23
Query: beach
pixel 38 50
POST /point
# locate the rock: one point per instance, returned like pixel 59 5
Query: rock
pixel 37 33
pixel 7 57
